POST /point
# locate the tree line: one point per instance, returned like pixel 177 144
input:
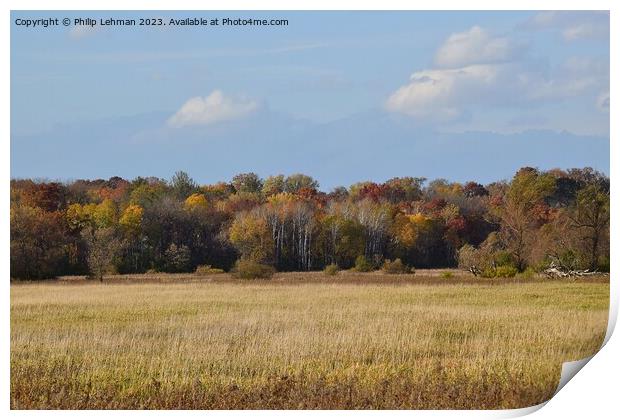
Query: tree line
pixel 287 222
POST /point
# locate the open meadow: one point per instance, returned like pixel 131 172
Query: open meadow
pixel 299 341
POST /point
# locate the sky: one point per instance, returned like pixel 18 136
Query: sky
pixel 344 96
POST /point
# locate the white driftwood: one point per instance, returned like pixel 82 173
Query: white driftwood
pixel 555 271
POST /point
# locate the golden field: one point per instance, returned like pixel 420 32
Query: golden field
pixel 300 340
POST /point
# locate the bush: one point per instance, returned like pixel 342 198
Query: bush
pixel 362 264
pixel 528 273
pixel 204 270
pixel 331 270
pixel 248 269
pixel 503 258
pixel 395 267
pixel 504 271
pixel 447 275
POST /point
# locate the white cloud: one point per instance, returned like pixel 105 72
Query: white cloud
pixel 212 109
pixel 497 79
pixel 443 94
pixel 573 25
pixel 475 46
pixel 439 93
pixel 447 94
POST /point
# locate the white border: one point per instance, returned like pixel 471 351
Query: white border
pixel 593 393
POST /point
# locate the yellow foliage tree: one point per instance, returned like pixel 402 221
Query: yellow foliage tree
pixel 92 215
pixel 250 234
pixel 105 214
pixel 404 230
pixel 81 216
pixel 195 201
pixel 131 219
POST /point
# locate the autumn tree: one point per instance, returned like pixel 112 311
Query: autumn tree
pixel 404 189
pixel 342 235
pixel 146 192
pixel 294 183
pixel 48 196
pixel 39 243
pixel 103 247
pixel 537 217
pixel 247 183
pixel 344 240
pixel 591 216
pixel 516 212
pixel 250 234
pixel 273 185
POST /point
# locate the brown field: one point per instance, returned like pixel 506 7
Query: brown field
pixel 300 340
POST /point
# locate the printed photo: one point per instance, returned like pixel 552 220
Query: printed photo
pixel 306 209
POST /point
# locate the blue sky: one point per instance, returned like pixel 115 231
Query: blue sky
pixel 416 74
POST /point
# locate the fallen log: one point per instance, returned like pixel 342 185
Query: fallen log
pixel 557 272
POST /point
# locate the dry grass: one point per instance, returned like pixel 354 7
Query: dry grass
pixel 298 341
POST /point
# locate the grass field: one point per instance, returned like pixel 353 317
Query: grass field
pixel 299 341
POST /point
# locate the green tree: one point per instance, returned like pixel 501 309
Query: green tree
pixel 182 185
pixel 296 182
pixel 247 183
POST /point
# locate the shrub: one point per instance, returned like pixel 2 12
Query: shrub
pixel 528 273
pixel 505 271
pixel 447 274
pixel 331 270
pixel 503 258
pixel 248 269
pixel 362 264
pixel 500 271
pixel 207 269
pixel 395 267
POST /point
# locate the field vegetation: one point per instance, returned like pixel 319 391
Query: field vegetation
pixel 299 340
